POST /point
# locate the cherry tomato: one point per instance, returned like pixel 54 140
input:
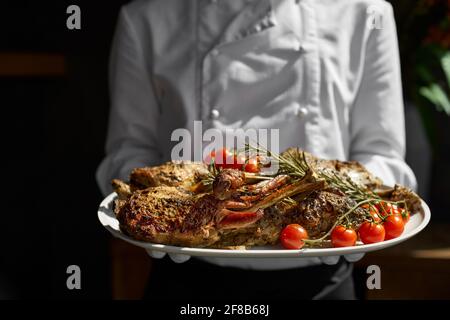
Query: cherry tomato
pixel 402 212
pixel 222 158
pixel 235 161
pixel 370 232
pixel 238 162
pixel 252 165
pixel 405 215
pixel 386 208
pixel 292 235
pixel 210 157
pixel 394 226
pixel 343 237
pixel 373 211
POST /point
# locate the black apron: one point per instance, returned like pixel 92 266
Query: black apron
pixel 196 280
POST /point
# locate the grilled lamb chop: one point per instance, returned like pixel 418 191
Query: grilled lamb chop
pixel 156 210
pixel 317 214
pixel 175 216
pixel 226 182
pixel 230 183
pixel 122 189
pixel 184 174
pixel 353 169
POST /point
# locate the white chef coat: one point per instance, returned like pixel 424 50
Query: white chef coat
pixel 320 71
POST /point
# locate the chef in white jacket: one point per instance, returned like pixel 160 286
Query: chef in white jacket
pixel 326 73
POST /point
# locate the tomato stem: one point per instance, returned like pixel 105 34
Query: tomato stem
pixel 345 216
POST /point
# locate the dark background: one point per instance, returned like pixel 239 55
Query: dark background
pixel 53 134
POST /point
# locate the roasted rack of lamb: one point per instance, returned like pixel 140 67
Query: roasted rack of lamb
pixel 171 203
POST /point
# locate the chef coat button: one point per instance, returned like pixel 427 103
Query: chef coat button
pixel 215 114
pixel 215 52
pixel 301 112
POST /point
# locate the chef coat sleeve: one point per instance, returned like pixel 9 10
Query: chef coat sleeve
pixel 377 127
pixel 131 138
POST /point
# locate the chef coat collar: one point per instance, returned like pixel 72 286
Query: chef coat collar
pixel 259 16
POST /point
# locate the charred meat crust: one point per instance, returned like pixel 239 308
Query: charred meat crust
pixel 176 173
pixel 122 189
pixel 399 193
pixel 226 182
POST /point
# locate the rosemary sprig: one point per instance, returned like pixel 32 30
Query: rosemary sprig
pixel 289 163
pixel 208 179
pixel 294 163
pixel 347 215
pixel 344 183
pixel 338 221
pixel 289 201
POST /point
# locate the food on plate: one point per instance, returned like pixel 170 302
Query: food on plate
pixel 393 226
pixel 182 174
pixel 341 236
pixel 371 232
pixel 292 236
pixel 308 202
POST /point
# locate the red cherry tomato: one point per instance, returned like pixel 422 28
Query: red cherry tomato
pixel 252 165
pixel 292 235
pixel 222 158
pixel 394 226
pixel 386 208
pixel 370 232
pixel 343 237
pixel 237 162
pixel 373 211
pixel 405 215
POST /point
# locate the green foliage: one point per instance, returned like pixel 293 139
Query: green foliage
pixel 431 74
